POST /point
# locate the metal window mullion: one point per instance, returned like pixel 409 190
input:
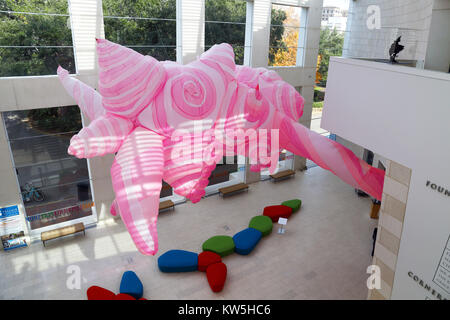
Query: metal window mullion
pixel 44 162
pixel 61 185
pixel 302 35
pixel 248 40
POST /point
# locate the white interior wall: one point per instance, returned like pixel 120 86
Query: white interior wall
pixel 408 18
pixel 438 48
pixel 390 116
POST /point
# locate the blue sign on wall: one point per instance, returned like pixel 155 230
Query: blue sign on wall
pixel 12 235
pixel 9 211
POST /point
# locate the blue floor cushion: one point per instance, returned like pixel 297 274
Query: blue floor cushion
pixel 246 240
pixel 131 285
pixel 178 261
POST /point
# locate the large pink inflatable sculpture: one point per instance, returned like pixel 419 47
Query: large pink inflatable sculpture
pixel 142 105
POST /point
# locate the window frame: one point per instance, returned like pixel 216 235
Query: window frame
pixel 35 233
pixel 302 33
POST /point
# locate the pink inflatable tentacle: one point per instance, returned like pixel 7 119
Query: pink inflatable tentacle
pixel 331 156
pixel 137 179
pixel 104 135
pixel 114 210
pixel 89 100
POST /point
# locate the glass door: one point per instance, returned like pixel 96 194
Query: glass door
pixel 285 162
pixel 231 171
pixel 168 194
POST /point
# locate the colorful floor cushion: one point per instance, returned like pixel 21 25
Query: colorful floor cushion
pixel 246 240
pixel 295 204
pixel 207 258
pixel 261 223
pixel 276 212
pixel 124 296
pixel 222 245
pixel 216 275
pixel 131 285
pixel 99 293
pixel 178 261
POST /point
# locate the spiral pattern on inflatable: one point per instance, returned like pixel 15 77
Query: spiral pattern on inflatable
pixel 200 90
pixel 283 96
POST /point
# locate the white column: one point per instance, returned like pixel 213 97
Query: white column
pixel 86 18
pixel 260 33
pixel 301 42
pixel 87 25
pixel 248 34
pixel 190 30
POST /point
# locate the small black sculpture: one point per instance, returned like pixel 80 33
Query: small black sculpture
pixel 395 49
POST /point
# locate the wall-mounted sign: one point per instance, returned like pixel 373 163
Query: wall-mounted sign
pixel 438 188
pixel 423 264
pixel 442 274
pixel 11 232
pixel 10 220
pixel 14 240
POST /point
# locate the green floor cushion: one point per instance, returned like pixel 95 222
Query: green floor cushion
pixel 222 245
pixel 295 204
pixel 261 223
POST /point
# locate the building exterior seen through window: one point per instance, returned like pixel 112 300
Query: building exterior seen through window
pixel 285 162
pixel 223 171
pixel 54 186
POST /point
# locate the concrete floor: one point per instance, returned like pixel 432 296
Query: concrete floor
pixel 323 254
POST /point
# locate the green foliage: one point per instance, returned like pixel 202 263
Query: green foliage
pixel 276 33
pixel 144 32
pixel 234 34
pixel 319 94
pixel 331 44
pixel 317 105
pixel 147 36
pixel 34 30
pixel 55 120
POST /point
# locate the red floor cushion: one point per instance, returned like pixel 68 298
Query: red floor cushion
pixel 99 293
pixel 207 258
pixel 278 211
pixel 216 274
pixel 124 296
